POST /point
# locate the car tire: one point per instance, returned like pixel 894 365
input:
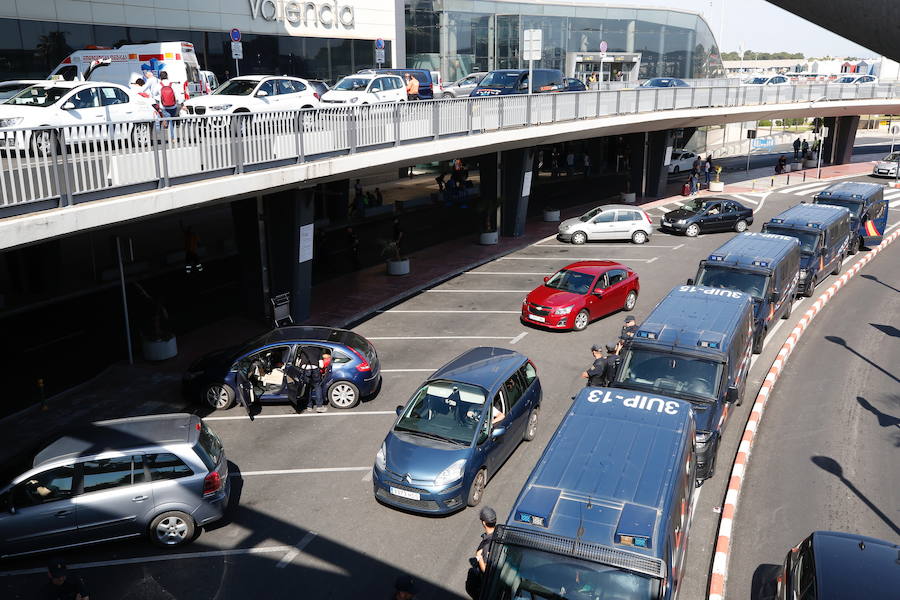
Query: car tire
pixel 811 289
pixel 447 96
pixel 343 395
pixel 579 237
pixel 837 265
pixel 219 397
pixel 43 144
pixel 856 246
pixel 640 237
pixel 630 300
pixel 476 490
pixel 790 307
pixel 758 342
pixel 531 426
pixel 141 135
pixel 172 529
pixel 581 320
pixel 740 226
pixel 693 230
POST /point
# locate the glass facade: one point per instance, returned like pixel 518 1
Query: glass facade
pixel 31 49
pixel 460 36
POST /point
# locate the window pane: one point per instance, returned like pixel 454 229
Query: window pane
pixel 49 486
pixel 529 372
pixel 107 473
pixel 166 466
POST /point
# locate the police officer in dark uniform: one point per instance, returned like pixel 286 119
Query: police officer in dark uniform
pixel 613 360
pixel 482 556
pixel 596 374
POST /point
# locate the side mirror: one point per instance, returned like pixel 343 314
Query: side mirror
pixel 598 293
pixel 546 279
pixel 731 394
pixel 399 409
pixel 773 297
pixel 68 106
pixel 497 432
pixel 690 281
pixel 262 93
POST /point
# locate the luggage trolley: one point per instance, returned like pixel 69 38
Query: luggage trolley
pixel 281 310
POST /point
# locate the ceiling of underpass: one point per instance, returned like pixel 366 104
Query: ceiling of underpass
pixel 873 24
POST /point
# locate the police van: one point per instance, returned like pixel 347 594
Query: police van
pixel 824 234
pixel 868 210
pixel 696 346
pixel 607 509
pixel 764 265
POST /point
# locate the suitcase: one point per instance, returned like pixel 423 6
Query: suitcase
pixel 686 189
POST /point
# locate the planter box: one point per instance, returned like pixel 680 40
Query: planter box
pixel 489 238
pixel 551 215
pixel 717 186
pixel 809 163
pixel 796 166
pixel 398 267
pixel 157 350
pixel 629 198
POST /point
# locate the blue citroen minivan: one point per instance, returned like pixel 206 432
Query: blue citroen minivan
pixel 457 430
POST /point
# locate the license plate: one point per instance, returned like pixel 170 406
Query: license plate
pixel 406 494
pixel 537 318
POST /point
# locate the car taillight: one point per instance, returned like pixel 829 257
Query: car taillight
pixel 316 95
pixel 646 216
pixel 211 483
pixel 364 366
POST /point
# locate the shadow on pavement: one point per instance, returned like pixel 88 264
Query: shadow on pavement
pixel 876 280
pixel 842 342
pixel 887 329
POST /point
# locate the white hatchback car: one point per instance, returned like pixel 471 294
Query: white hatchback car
pixel 610 222
pixel 764 80
pixel 87 110
pixel 681 161
pixel 366 88
pixel 255 94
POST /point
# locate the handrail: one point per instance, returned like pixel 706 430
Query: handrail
pixel 50 167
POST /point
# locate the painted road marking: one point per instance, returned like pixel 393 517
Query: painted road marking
pixel 895 203
pixel 156 558
pixel 604 246
pixel 298 415
pixel 367 476
pixel 477 291
pixel 441 337
pixel 490 312
pixel 408 370
pixel 744 198
pixel 518 338
pixel 243 474
pixel 292 554
pixel 532 273
pixel 570 258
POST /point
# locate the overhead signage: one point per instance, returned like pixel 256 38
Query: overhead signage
pixel 328 15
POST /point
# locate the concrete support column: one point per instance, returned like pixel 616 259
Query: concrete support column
pixel 246 236
pixel 289 241
pixel 629 36
pixel 838 146
pixel 336 195
pixel 489 187
pixel 516 173
pixel 648 174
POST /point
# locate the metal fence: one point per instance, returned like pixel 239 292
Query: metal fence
pixel 50 167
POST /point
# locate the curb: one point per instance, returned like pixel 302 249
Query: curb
pixel 719 574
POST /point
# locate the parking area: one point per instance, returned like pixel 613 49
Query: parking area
pixel 304 521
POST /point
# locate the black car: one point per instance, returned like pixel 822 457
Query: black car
pixel 705 215
pixel 575 85
pixel 215 379
pixel 665 82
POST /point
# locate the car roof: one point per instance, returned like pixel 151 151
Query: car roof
pixel 301 333
pixel 854 566
pixel 746 248
pixel 121 435
pixel 800 215
pixel 594 267
pixel 484 366
pixel 620 207
pixel 851 190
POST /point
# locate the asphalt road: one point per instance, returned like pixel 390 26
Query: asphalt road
pixel 826 457
pixel 304 521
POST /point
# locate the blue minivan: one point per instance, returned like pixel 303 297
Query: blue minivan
pixel 607 510
pixel 457 430
pixel 515 81
pixel 695 345
pixel 868 210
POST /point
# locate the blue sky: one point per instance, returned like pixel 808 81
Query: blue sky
pixel 759 26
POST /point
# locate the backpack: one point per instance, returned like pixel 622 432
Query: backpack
pixel 167 96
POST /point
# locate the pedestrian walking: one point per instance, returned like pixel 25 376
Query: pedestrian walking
pixel 404 588
pixel 167 97
pixel 570 164
pixel 192 262
pixel 482 557
pixel 694 182
pixel 596 373
pixel 707 169
pixel 695 166
pixel 587 165
pixel 63 585
pixel 353 243
pixel 397 236
pixel 412 87
pixel 797 148
pixel 804 149
pixel 554 163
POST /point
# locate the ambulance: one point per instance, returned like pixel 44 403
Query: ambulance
pixel 124 64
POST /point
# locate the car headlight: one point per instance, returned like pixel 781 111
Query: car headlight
pixel 221 107
pixel 701 441
pixel 380 461
pixel 682 221
pixel 564 310
pixel 10 122
pixel 451 473
pixel 354 99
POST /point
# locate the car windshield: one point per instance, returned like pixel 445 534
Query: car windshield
pixel 671 374
pixel 733 279
pixel 846 80
pixel 500 80
pixel 447 410
pixel 571 281
pixel 11 89
pixel 237 87
pixel 352 84
pixel 658 82
pixel 208 447
pixel 855 207
pixel 892 157
pixel 590 214
pixel 521 572
pixel 757 80
pixel 809 240
pixel 38 95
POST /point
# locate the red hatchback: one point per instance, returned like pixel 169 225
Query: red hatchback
pixel 576 295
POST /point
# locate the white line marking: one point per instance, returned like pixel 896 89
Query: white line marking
pixel 895 203
pixel 744 198
pixel 548 238
pixel 677 247
pixel 894 226
pixel 367 476
pixel 408 370
pixel 570 258
pixel 341 413
pixel 157 558
pixel 493 312
pixel 811 190
pixel 652 260
pixel 441 337
pixel 603 247
pixel 243 474
pixel 535 273
pixel 477 291
pixel 518 338
pixel 292 554
pixel 794 189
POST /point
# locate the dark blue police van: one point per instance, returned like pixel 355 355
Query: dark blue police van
pixel 606 511
pixel 764 265
pixel 868 210
pixel 824 234
pixel 696 346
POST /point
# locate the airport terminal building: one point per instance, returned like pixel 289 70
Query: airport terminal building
pixel 332 38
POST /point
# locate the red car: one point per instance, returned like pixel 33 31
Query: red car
pixel 580 293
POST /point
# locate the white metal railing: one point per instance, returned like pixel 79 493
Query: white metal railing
pixel 51 167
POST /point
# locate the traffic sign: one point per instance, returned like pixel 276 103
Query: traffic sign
pixel 603 46
pixel 532 46
pixel 379 56
pixel 237 50
pixel 379 44
pixel 235 34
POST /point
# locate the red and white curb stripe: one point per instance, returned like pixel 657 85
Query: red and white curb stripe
pixel 719 572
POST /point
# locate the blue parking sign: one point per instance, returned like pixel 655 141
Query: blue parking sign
pixel 235 34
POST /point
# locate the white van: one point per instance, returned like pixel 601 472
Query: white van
pixel 124 64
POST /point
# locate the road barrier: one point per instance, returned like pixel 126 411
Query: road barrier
pixel 719 574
